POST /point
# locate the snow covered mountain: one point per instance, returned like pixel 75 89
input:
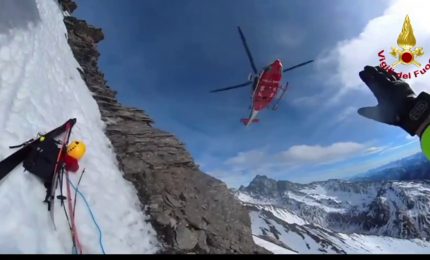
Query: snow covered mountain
pixel 144 193
pixel 340 217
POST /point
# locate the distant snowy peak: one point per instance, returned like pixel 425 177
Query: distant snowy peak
pixel 281 236
pixel 338 216
pixel 397 209
pixel 415 167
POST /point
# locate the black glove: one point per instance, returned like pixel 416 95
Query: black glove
pixel 397 104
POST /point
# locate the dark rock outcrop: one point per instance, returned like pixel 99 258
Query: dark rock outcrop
pixel 191 211
pixel 68 5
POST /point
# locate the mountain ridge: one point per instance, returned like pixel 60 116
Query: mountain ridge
pixel 179 197
pixel 365 206
pixel 414 167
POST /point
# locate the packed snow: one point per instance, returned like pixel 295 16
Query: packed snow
pixel 249 199
pixel 296 222
pixel 282 213
pixel 319 192
pixel 309 239
pixel 40 89
pixel 357 244
pixel 413 189
pixel 312 202
pixel 272 247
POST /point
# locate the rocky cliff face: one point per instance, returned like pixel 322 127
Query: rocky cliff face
pixel 191 211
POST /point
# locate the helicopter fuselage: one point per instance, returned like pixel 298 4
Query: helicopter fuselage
pixel 265 89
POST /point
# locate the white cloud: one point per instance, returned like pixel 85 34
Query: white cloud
pixel 346 114
pixel 303 154
pixel 241 168
pixel 286 39
pixel 295 156
pixel 372 150
pixel 310 101
pixel 246 160
pixel 350 56
pixel 413 140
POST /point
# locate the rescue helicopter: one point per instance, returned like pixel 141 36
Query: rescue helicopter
pixel 266 84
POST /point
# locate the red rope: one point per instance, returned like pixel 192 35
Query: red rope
pixel 75 237
pixel 72 216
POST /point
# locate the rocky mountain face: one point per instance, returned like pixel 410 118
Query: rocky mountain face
pixel 191 211
pixel 281 231
pixel 391 208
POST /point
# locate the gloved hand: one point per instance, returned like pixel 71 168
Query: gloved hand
pixel 397 104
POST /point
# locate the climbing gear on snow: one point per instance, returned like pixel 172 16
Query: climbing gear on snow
pixel 41 161
pixel 8 164
pixel 51 161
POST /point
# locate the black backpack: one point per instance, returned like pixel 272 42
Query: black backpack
pixel 42 158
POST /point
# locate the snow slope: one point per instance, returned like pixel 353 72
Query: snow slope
pixel 283 237
pixel 339 217
pixel 394 209
pixel 40 88
pixel 272 247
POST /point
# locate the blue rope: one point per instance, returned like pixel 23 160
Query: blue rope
pixel 92 215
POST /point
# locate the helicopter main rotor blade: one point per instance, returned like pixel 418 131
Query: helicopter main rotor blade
pixel 297 66
pixel 232 87
pixel 248 52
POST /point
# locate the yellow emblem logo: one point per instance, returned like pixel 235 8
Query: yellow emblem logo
pixel 407 53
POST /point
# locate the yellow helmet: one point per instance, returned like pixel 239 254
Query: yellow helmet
pixel 76 149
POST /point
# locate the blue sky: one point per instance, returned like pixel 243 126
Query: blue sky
pixel 164 56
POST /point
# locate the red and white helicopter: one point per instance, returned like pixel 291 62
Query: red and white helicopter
pixel 265 85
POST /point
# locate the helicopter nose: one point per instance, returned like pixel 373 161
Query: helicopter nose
pixel 278 63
